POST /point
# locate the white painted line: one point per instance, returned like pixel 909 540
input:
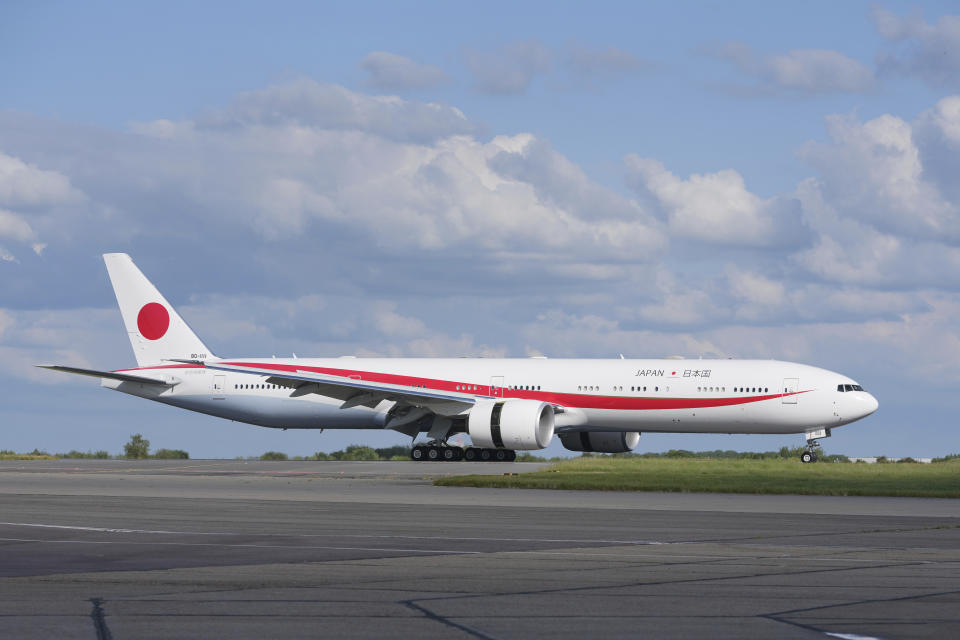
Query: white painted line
pixel 328 535
pixel 243 546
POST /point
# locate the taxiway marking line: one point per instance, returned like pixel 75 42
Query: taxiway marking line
pixel 325 535
pixel 242 546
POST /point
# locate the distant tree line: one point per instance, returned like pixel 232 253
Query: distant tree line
pixel 138 447
pixel 352 452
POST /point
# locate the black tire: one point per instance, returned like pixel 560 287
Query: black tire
pixel 417 454
pixel 449 454
pixel 511 455
pixel 433 454
pixel 807 457
pixel 471 454
pixel 485 454
pixel 500 455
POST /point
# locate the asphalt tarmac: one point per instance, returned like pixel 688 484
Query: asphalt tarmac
pixel 201 549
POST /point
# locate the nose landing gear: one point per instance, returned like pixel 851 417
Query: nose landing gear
pixel 813 450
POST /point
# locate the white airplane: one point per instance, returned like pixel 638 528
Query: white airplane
pixel 504 405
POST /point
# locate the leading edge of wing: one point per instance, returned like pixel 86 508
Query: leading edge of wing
pixel 417 397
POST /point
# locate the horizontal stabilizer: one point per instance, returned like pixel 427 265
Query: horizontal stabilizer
pixel 125 377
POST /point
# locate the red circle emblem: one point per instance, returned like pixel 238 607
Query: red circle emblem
pixel 153 321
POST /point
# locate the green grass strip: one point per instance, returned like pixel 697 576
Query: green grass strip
pixel 938 480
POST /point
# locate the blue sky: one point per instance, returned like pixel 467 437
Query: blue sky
pixel 574 179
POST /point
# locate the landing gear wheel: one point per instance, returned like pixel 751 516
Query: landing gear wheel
pixel 807 456
pixel 485 454
pixel 511 455
pixel 417 453
pixel 433 454
pixel 500 455
pixel 450 454
pixel 471 454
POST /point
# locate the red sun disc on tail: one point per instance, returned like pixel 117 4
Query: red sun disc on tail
pixel 153 321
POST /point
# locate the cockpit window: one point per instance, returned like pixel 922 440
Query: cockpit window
pixel 849 387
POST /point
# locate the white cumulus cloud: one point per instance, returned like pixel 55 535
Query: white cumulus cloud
pixel 715 208
pixel 26 185
pixel 874 171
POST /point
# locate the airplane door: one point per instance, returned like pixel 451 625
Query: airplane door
pixel 496 386
pixel 790 386
pixel 219 384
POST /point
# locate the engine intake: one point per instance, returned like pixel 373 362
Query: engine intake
pixel 511 424
pixel 600 441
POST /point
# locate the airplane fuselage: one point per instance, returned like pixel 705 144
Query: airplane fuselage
pixel 691 396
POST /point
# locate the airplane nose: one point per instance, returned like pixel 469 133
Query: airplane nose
pixel 870 405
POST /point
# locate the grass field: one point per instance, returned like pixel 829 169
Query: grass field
pixel 938 480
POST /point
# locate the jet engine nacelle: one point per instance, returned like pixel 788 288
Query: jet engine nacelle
pixel 600 441
pixel 511 424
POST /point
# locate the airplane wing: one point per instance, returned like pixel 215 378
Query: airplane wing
pixel 355 392
pixel 125 377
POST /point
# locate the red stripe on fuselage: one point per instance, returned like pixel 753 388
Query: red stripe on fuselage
pixel 573 400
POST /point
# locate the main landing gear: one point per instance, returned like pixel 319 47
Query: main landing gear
pixel 445 453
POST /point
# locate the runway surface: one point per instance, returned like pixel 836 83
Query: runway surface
pixel 163 549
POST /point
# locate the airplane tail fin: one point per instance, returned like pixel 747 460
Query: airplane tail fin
pixel 156 330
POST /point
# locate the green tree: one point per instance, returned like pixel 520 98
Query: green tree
pixel 138 447
pixel 274 456
pixel 359 452
pixel 171 454
pixel 389 453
